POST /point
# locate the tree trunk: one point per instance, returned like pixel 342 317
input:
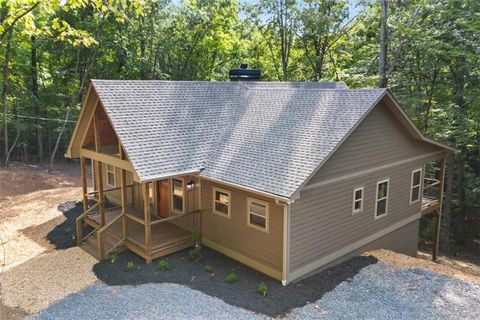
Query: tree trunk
pixel 447 203
pixel 143 73
pixel 382 61
pixel 5 93
pixel 36 103
pixel 55 148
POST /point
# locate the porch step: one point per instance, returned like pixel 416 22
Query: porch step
pixel 91 244
pixel 89 249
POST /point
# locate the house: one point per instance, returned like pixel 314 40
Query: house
pixel 287 178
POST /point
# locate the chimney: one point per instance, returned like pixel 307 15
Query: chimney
pixel 244 74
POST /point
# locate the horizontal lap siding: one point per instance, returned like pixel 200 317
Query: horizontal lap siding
pixel 321 219
pixel 380 139
pixel 234 234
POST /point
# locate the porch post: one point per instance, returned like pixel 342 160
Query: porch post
pixel 123 194
pixel 148 227
pixel 100 192
pixel 83 170
pixel 438 220
pixel 99 170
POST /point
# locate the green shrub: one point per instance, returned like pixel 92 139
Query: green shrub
pixel 262 289
pixel 163 266
pixel 195 254
pixel 114 258
pixel 195 237
pixel 208 269
pixel 231 278
pixel 130 265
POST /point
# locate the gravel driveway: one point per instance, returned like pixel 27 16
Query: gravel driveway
pixel 378 291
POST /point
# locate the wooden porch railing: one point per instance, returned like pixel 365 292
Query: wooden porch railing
pixel 81 218
pixel 180 220
pixel 101 234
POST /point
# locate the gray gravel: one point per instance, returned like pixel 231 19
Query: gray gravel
pixel 383 291
pixel 146 301
pixel 379 291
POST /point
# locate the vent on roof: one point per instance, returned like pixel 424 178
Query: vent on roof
pixel 244 74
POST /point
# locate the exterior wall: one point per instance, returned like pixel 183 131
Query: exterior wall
pixel 380 139
pixel 400 240
pixel 233 237
pixel 322 226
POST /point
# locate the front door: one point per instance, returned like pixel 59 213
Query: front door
pixel 163 194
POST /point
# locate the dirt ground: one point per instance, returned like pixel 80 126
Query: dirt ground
pixel 39 263
pixel 30 209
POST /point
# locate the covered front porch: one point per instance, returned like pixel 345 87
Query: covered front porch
pixel 120 211
pixel 107 225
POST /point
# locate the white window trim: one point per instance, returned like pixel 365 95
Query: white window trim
pixel 214 191
pixel 420 185
pixel 356 200
pixel 114 175
pixel 386 198
pixel 184 194
pixel 267 214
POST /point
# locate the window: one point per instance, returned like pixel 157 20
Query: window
pixel 416 186
pixel 178 195
pixel 111 175
pixel 357 200
pixel 257 215
pixel 221 202
pixel 382 199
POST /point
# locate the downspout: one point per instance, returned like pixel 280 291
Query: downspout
pixel 286 239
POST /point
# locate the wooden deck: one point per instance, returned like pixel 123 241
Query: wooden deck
pixel 166 237
pixel 429 205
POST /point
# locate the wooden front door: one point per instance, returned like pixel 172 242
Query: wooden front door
pixel 163 194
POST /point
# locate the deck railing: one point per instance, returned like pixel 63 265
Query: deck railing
pixel 189 221
pixel 431 196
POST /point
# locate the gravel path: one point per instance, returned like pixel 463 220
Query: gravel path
pixel 383 291
pixel 379 291
pixel 147 301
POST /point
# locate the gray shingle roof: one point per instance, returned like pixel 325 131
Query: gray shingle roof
pixel 262 135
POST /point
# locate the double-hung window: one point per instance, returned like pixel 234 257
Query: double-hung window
pixel 178 195
pixel 416 186
pixel 111 179
pixel 357 200
pixel 381 202
pixel 221 202
pixel 257 214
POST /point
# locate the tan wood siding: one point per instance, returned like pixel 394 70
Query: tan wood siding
pixel 380 139
pixel 321 219
pixel 234 234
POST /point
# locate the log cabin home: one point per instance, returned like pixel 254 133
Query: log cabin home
pixel 287 178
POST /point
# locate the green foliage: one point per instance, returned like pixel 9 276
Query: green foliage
pixel 262 289
pixel 195 254
pixel 231 278
pixel 131 265
pixel 432 57
pixel 208 269
pixel 163 265
pixel 114 258
pixel 196 237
